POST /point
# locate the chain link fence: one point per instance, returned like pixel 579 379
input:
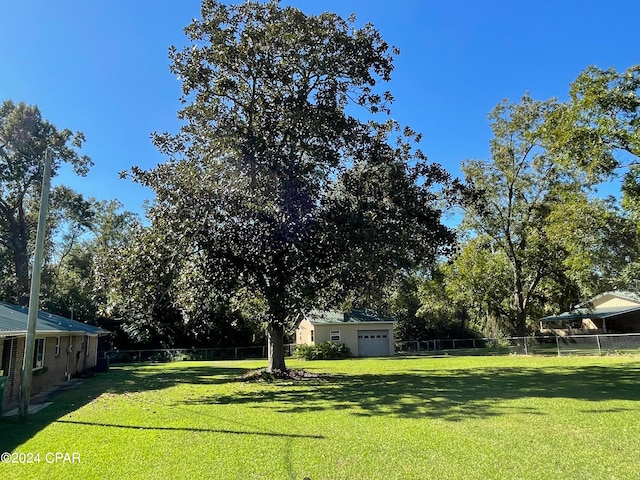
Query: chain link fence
pixel 599 344
pixel 183 354
pixel 537 345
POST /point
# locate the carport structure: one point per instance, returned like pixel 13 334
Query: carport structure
pixel 609 312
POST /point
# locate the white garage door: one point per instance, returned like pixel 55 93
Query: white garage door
pixel 373 343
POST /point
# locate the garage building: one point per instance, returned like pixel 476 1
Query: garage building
pixel 365 332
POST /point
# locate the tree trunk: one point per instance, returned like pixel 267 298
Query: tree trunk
pixel 275 348
pixel 518 300
pixel 19 245
pixel 521 323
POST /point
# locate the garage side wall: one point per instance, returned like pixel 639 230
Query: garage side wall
pixel 349 336
pixel 321 333
pixel 303 333
pixel 349 333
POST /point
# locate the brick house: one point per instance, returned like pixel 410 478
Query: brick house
pixel 63 347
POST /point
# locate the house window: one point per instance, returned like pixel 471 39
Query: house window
pixel 334 335
pixel 38 354
pixel 86 347
pixel 57 347
pixel 312 335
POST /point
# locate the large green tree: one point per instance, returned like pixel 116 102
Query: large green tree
pixel 599 241
pixel 518 188
pixel 598 129
pixel 480 280
pixel 83 236
pixel 535 208
pixel 425 310
pixel 24 137
pixel 274 185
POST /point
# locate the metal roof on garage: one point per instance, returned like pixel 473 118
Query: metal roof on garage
pixel 14 321
pixel 318 317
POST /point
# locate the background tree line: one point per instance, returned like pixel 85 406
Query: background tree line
pixel 289 187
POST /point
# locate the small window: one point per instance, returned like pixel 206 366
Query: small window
pixel 57 347
pixel 86 347
pixel 312 335
pixel 334 336
pixel 38 354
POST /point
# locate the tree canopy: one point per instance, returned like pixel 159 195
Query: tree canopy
pixel 598 129
pixel 273 183
pixel 534 209
pixel 24 137
pixel 289 187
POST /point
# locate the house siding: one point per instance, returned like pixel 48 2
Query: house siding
pixel 92 359
pixel 613 301
pixel 322 332
pixel 303 333
pixel 348 335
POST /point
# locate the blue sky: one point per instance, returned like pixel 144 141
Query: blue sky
pixel 101 66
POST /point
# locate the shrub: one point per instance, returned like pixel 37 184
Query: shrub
pixel 120 357
pixel 323 351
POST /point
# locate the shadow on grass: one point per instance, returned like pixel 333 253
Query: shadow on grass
pixel 119 380
pixel 447 394
pixel 451 395
pixel 194 429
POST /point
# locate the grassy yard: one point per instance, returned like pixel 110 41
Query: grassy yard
pixel 509 417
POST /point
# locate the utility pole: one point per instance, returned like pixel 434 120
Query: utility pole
pixel 34 295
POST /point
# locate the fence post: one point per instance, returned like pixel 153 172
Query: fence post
pixel 453 345
pixel 524 342
pixel 418 347
pixel 598 340
pixel 558 345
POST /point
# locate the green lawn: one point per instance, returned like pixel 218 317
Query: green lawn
pixel 509 417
